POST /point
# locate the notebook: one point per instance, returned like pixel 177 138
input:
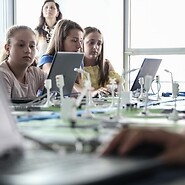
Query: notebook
pixel 148 67
pixel 22 165
pixel 64 63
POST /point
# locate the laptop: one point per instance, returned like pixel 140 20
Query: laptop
pixel 20 164
pixel 148 67
pixel 64 63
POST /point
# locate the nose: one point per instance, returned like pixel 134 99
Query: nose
pixel 27 49
pixel 79 45
pixel 95 46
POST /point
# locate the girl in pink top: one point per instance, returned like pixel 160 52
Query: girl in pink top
pixel 20 77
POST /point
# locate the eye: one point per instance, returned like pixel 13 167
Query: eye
pixel 99 43
pixel 91 42
pixel 21 45
pixel 32 46
pixel 81 41
pixel 75 40
pixel 52 7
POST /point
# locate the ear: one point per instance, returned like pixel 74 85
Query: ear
pixel 7 48
pixel 57 14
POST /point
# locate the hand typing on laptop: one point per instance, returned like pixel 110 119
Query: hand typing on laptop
pixel 172 145
pixel 101 92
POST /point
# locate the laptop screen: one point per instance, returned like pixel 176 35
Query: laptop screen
pixel 148 67
pixel 64 64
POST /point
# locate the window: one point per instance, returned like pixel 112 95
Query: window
pixel 157 23
pixel 154 28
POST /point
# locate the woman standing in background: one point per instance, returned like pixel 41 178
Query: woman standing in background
pixel 50 15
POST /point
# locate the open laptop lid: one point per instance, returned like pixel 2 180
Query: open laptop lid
pixel 64 63
pixel 148 67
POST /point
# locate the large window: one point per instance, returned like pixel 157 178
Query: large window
pixel 154 29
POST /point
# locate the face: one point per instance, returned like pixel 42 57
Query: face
pixel 50 10
pixel 73 42
pixel 22 48
pixel 93 45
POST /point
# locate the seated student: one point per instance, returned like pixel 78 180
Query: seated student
pixel 100 69
pixel 20 77
pixel 50 14
pixel 127 139
pixel 67 36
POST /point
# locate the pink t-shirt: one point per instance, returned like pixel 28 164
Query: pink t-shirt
pixel 34 78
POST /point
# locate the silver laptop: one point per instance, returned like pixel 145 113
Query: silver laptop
pixel 148 67
pixel 21 164
pixel 64 63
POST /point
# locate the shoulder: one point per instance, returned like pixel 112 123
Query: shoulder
pixel 108 63
pixel 3 65
pixel 106 60
pixel 45 59
pixel 4 68
pixel 6 75
pixel 36 32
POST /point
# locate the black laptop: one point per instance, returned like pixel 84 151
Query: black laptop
pixel 64 63
pixel 148 67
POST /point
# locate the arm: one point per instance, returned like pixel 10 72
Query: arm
pixel 45 63
pixel 7 84
pixel 112 72
pixel 46 67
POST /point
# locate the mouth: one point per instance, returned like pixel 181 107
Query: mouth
pixel 94 53
pixel 78 51
pixel 27 58
pixel 49 13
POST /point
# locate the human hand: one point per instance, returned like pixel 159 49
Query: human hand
pixel 101 92
pixel 174 144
